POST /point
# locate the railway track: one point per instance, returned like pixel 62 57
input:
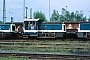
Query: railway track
pixel 45 56
pixel 45 46
pixel 31 40
pixel 34 39
pixel 47 43
pixel 42 47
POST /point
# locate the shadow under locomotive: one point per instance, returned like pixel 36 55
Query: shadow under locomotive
pixel 71 33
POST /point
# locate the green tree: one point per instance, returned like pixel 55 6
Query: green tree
pixel 89 19
pixel 55 16
pixel 62 18
pixel 39 14
pixel 84 18
pixel 72 16
pixel 77 15
pixel 80 16
pixel 1 22
pixel 65 15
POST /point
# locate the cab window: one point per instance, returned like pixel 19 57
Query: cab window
pixel 26 23
pixel 32 23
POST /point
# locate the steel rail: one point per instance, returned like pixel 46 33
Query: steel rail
pixel 44 46
pixel 45 55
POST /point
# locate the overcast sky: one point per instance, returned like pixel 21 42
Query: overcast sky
pixel 15 7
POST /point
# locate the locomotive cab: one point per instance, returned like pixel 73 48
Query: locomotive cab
pixel 7 30
pixel 30 27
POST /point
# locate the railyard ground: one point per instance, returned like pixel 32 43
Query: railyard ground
pixel 63 46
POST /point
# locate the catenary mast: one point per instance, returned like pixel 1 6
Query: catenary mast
pixel 23 9
pixel 4 12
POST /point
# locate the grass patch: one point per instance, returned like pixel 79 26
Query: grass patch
pixel 54 47
pixel 13 58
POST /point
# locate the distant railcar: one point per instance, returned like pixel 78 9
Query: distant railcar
pixel 84 30
pixel 7 30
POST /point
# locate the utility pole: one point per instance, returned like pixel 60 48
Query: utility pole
pixel 30 13
pixel 26 11
pixel 49 10
pixel 66 13
pixel 23 9
pixel 12 20
pixel 4 12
